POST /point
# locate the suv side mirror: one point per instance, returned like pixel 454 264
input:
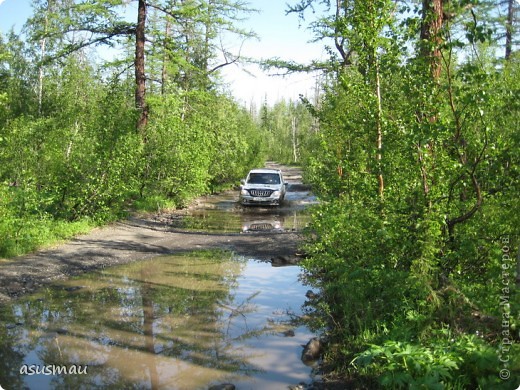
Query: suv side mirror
pixel 243 181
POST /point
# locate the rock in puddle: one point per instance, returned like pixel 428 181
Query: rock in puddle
pixel 312 351
pixel 311 295
pixel 281 261
pixel 222 386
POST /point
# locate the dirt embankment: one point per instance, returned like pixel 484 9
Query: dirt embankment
pixel 138 238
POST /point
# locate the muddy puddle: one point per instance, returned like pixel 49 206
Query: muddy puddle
pixel 222 213
pixel 174 322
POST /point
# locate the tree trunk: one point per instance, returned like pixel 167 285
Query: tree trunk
pixel 164 73
pixel 431 39
pixel 380 180
pixel 339 39
pixel 294 144
pixel 140 77
pixel 41 72
pixel 509 29
pixel 432 19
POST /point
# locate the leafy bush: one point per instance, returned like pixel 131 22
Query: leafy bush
pixel 395 268
pixel 80 161
pixel 446 363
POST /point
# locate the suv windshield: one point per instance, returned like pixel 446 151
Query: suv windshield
pixel 264 178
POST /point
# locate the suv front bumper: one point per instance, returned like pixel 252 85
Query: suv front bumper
pixel 252 200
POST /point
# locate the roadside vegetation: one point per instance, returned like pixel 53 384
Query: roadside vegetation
pixel 414 247
pixel 412 145
pixel 287 126
pixel 85 140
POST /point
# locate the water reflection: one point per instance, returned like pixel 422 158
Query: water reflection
pixel 179 322
pixel 222 213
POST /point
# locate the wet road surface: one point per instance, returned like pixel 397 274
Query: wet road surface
pixel 183 321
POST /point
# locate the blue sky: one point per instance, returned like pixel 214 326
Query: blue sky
pixel 280 36
pixel 14 13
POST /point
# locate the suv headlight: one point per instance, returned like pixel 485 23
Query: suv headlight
pixel 276 194
pixel 244 192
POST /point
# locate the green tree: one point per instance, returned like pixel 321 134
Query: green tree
pixel 395 273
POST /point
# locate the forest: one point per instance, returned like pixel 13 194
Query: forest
pixel 414 248
pixel 84 139
pixel 411 144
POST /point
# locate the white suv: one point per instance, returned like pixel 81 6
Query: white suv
pixel 263 186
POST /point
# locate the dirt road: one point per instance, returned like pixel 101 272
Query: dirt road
pixel 146 236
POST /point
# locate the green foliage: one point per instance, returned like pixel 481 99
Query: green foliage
pixel 196 143
pixel 287 127
pixel 465 362
pixel 23 228
pixel 71 157
pixel 364 281
pixel 396 270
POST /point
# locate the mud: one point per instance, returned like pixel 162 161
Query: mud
pixel 172 322
pixel 149 235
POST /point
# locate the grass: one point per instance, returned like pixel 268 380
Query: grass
pixel 21 236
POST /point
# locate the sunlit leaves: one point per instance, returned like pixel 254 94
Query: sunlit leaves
pixel 447 158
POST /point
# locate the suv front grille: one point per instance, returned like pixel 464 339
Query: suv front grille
pixel 265 193
pixel 261 226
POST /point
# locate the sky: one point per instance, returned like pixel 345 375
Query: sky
pixel 282 37
pixel 279 36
